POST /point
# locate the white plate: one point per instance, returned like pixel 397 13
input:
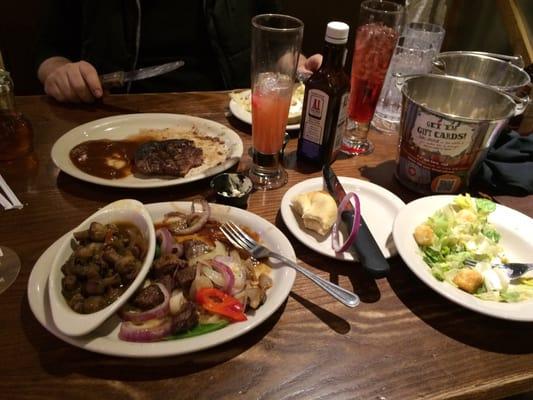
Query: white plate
pixel 516 230
pixel 121 126
pixel 245 116
pixel 105 338
pixel 378 207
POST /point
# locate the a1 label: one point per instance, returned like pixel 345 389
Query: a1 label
pixel 317 106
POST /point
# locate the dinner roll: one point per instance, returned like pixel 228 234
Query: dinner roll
pixel 317 209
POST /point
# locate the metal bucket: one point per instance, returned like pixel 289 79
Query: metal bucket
pixel 447 125
pixel 500 71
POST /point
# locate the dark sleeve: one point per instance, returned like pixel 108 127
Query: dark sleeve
pixel 61 31
pixel 269 7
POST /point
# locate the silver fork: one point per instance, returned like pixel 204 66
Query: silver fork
pixel 241 239
pixel 514 270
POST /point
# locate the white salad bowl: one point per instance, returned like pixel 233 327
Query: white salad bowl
pixel 75 324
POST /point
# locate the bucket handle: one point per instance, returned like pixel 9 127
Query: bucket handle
pixel 399 79
pixel 440 65
pixel 521 103
pixel 516 60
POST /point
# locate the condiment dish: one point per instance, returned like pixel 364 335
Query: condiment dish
pixel 67 320
pixel 232 189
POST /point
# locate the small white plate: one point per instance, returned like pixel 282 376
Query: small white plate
pixel 105 338
pixel 122 126
pixel 67 320
pixel 516 231
pixel 378 207
pixel 245 116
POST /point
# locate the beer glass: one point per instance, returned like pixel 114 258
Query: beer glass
pixel 276 42
pixel 379 25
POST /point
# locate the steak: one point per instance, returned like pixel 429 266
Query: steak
pixel 168 157
pixel 148 297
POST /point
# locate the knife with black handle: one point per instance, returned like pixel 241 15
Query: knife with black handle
pixel 119 78
pixel 365 246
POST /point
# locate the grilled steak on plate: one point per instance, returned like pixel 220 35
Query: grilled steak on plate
pixel 168 157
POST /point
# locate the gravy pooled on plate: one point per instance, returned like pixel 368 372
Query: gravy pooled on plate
pixel 155 148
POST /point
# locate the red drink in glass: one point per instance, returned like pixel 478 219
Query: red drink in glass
pixel 271 100
pixel 373 51
pixel 379 26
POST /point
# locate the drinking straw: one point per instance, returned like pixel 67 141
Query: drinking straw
pixel 6 204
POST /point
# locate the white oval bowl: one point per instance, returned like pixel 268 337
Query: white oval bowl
pixel 75 324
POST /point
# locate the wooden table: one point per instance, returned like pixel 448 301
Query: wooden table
pixel 403 342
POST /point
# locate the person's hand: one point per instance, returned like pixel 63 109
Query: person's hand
pixel 68 81
pixel 306 66
pixel 311 64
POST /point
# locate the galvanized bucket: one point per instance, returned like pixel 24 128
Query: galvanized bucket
pixel 447 125
pixel 497 70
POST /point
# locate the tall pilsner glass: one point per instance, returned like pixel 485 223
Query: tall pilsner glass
pixel 379 25
pixel 276 42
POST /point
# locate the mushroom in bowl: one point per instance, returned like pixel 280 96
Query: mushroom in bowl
pixel 99 265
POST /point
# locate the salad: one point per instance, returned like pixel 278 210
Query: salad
pixel 461 231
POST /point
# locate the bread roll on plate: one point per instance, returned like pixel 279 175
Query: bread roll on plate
pixel 317 209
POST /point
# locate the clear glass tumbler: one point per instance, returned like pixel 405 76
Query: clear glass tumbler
pixel 410 57
pixel 425 32
pixel 276 43
pixel 379 25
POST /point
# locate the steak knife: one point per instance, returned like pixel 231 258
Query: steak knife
pixel 364 245
pixel 118 78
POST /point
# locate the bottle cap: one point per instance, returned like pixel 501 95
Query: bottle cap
pixel 337 32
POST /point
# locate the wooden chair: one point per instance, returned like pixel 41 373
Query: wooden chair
pixel 517 27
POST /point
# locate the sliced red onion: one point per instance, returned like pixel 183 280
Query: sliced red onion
pixel 157 312
pixel 217 278
pixel 355 227
pixel 220 264
pixel 149 331
pixel 199 222
pixel 166 238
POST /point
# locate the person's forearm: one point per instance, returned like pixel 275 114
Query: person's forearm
pixel 50 65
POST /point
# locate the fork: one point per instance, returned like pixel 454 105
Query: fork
pixel 513 270
pixel 241 239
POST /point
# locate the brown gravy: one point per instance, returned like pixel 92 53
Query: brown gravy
pixel 108 159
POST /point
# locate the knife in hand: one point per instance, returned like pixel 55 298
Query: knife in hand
pixel 119 78
pixel 368 251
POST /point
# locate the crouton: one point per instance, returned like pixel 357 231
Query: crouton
pixel 468 280
pixel 424 235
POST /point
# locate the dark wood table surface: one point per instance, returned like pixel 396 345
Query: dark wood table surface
pixel 403 342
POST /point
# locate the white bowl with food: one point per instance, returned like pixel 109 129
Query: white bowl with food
pixel 99 265
pixel 434 235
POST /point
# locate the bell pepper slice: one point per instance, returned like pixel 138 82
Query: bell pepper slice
pixel 218 302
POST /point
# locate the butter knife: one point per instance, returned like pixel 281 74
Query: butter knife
pixel 118 78
pixel 365 246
